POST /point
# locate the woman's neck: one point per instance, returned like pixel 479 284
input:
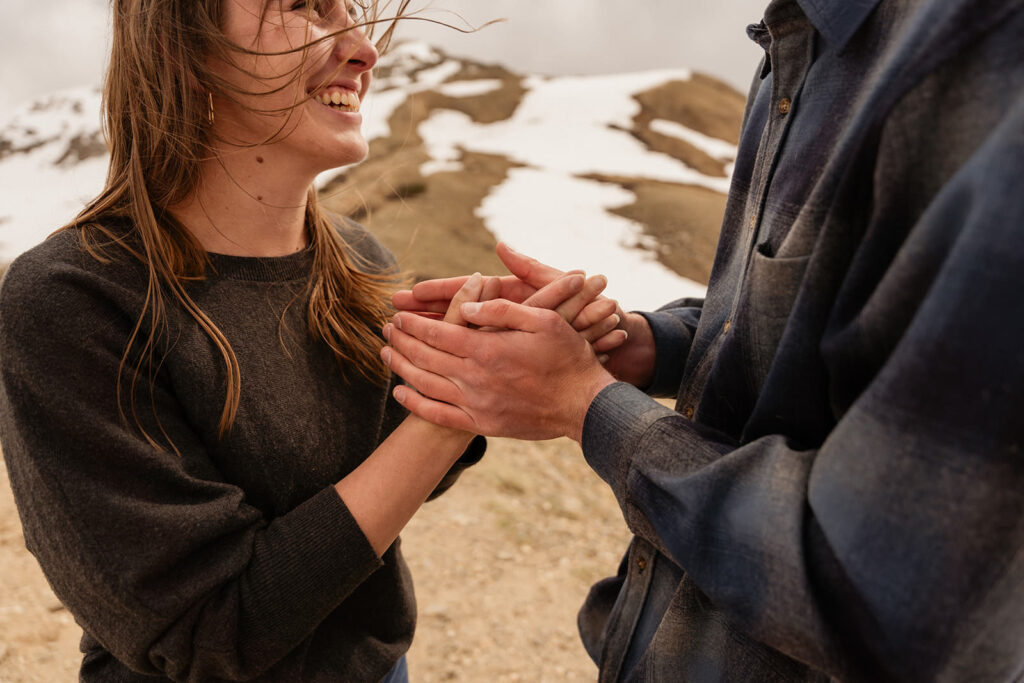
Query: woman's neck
pixel 248 204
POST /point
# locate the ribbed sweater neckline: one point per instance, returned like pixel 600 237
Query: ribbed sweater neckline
pixel 263 268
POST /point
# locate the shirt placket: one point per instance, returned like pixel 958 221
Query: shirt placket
pixel 790 54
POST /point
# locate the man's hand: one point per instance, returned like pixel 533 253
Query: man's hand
pixel 628 353
pixel 532 378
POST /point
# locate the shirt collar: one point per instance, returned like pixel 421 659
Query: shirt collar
pixel 837 20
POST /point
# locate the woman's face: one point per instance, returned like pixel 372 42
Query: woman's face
pixel 306 101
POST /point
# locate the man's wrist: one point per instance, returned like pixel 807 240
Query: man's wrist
pixel 594 384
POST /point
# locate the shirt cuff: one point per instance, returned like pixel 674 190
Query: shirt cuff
pixel 614 426
pixel 672 339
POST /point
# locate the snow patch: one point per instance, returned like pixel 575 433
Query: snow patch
pixel 565 222
pixel 713 147
pixel 576 125
pixel 473 88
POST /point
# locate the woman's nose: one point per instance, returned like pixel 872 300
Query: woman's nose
pixel 355 48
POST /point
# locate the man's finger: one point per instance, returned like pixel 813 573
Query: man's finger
pixel 436 290
pixel 504 314
pixel 527 269
pixel 421 354
pixel 405 300
pixel 427 383
pixel 452 339
pixel 425 295
pixel 434 411
pixel 593 313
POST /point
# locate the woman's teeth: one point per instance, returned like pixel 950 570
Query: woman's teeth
pixel 346 100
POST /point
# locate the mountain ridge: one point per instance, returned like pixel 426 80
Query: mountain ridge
pixel 624 174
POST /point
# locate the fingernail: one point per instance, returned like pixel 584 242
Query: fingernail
pixel 399 394
pixel 385 355
pixel 602 280
pixel 603 358
pixel 387 332
pixel 577 281
pixel 471 308
pixel 617 319
pixel 398 321
pixel 509 247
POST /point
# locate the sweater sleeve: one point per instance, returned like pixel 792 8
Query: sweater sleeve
pixel 156 556
pixel 902 535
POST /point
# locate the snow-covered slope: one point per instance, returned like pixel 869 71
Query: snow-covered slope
pixel 565 136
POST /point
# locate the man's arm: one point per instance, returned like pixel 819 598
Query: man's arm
pixel 894 549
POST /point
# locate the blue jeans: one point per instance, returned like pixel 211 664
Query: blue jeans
pixel 398 674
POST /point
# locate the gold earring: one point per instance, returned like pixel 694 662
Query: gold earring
pixel 209 109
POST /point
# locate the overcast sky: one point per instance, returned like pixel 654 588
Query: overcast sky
pixel 53 44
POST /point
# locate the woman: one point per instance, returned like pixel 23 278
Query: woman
pixel 199 429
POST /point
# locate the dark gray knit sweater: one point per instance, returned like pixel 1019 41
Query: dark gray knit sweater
pixel 237 560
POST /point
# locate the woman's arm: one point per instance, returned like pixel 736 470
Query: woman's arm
pixel 157 554
pixel 390 486
pixel 387 489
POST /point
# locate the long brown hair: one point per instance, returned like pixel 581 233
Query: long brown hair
pixel 156 105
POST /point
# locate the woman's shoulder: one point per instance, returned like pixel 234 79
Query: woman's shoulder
pixel 65 272
pixel 361 242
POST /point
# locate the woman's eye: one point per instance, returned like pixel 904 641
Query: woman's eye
pixel 304 6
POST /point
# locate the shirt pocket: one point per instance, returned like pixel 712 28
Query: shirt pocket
pixel 772 287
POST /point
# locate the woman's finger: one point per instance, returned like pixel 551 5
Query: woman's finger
pixel 527 269
pixel 470 291
pixel 610 341
pixel 600 328
pixel 492 289
pixel 557 292
pixel 594 312
pixel 571 308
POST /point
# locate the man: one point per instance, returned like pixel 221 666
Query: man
pixel 840 493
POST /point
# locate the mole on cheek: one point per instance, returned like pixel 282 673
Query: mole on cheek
pixel 259 160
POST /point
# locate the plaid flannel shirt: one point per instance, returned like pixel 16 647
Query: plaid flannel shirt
pixel 840 491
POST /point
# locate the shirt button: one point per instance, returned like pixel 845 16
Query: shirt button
pixel 688 412
pixel 785 105
pixel 641 564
